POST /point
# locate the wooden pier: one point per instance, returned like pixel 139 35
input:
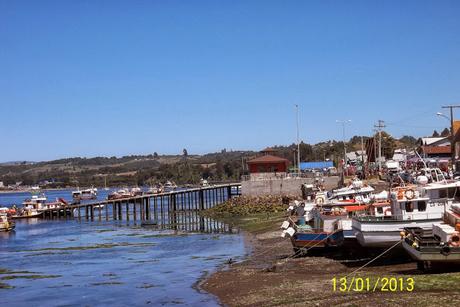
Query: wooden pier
pixel 154 208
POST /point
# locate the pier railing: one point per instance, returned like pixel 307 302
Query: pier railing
pixel 156 208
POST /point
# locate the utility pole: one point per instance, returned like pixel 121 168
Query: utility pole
pixel 379 126
pixel 452 143
pixel 343 122
pixel 298 140
pixel 362 158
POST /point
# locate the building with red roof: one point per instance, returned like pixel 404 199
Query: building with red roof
pixel 268 164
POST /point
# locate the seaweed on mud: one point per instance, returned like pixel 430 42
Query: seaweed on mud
pixel 96 246
pixel 147 261
pixel 107 283
pixel 147 286
pixel 5 286
pixel 46 254
pixel 6 271
pixel 35 276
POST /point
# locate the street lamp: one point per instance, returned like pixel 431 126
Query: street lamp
pixel 343 122
pixel 442 115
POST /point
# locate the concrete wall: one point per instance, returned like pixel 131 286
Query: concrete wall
pixel 283 186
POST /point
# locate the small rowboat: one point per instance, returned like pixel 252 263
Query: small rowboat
pixel 5 223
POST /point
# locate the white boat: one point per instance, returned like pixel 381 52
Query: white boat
pixel 123 193
pixel 437 245
pixel 136 191
pixel 155 189
pixel 413 206
pixel 325 213
pixel 85 194
pixel 5 223
pixel 37 202
pixel 355 193
pixel 169 186
pixel 204 183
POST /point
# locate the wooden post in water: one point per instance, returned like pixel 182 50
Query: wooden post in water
pixel 201 199
pixel 161 210
pixel 120 215
pixel 127 210
pixel 229 192
pixel 134 211
pixel 142 209
pixel 114 210
pixel 155 209
pixel 106 211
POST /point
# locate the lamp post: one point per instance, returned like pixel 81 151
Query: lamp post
pixel 298 140
pixel 343 122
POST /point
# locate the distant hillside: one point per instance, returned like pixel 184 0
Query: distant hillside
pixel 151 169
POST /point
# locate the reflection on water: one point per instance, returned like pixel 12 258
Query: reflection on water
pixel 71 262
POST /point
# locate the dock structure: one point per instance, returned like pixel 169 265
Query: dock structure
pixel 167 206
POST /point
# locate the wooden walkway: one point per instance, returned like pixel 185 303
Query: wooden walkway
pixel 150 207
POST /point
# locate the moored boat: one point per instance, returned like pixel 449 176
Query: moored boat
pixel 85 194
pixel 5 223
pixel 120 194
pixel 169 186
pixel 413 206
pixel 136 191
pixel 435 246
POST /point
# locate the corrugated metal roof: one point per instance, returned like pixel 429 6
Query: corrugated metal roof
pixel 316 165
pixel 268 159
pixel 436 149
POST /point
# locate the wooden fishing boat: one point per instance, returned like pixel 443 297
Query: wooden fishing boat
pixel 85 194
pixel 27 214
pixel 413 206
pixel 437 246
pixel 5 223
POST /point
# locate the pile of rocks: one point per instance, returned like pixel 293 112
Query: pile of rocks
pixel 244 205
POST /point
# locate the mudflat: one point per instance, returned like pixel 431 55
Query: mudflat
pixel 272 277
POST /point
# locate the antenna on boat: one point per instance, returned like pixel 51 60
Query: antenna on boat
pixel 421 158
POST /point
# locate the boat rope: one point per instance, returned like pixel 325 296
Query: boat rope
pixel 372 260
pixel 304 249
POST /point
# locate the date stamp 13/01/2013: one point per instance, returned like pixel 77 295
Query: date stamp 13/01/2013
pixel 379 284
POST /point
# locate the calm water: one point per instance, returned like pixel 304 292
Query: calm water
pixel 61 263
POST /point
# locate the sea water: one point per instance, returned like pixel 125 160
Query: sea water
pixel 110 263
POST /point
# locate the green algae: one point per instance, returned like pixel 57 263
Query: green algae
pixel 6 271
pixel 107 283
pixel 46 254
pixel 5 286
pixel 36 276
pixel 96 246
pixel 147 286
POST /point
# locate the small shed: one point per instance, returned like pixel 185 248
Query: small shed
pixel 268 164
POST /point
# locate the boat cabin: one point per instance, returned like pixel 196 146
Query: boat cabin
pixel 426 202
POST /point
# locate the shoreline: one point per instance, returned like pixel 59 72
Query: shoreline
pixel 269 276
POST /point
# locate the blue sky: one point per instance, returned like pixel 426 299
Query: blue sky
pixel 88 78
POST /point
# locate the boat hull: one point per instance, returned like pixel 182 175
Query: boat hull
pixel 384 234
pixel 15 217
pixel 317 239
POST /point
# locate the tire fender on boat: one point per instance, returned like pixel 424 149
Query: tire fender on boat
pixel 410 194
